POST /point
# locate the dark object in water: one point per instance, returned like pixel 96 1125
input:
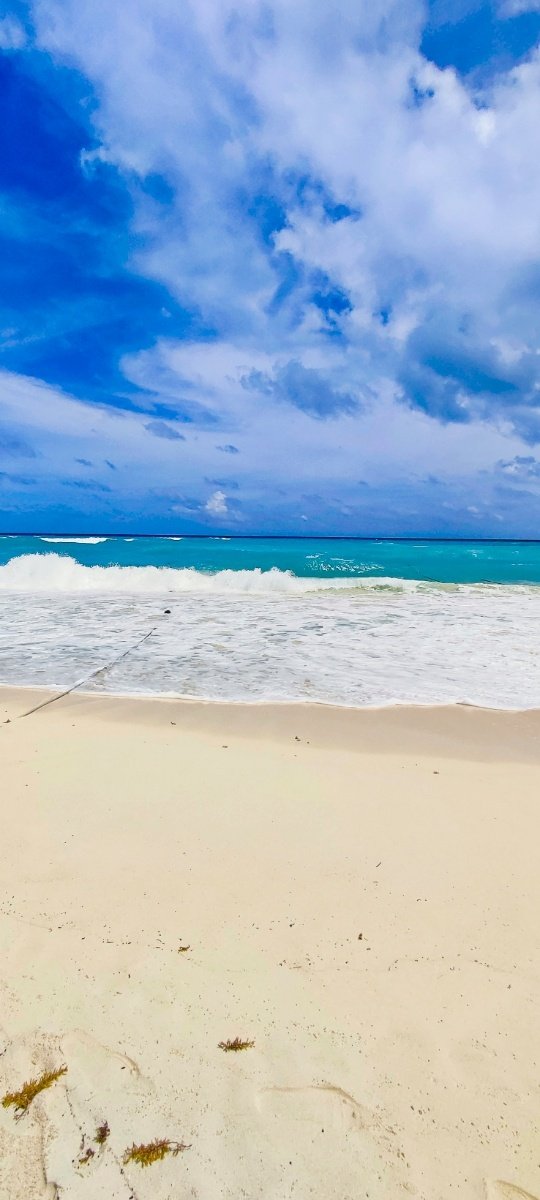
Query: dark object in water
pixel 166 612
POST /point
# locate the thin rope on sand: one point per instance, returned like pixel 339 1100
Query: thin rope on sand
pixel 93 674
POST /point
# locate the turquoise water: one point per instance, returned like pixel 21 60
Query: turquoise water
pixel 445 562
pixel 345 622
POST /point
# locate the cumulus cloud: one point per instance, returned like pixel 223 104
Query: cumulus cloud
pixel 382 179
pixel 216 505
pixel 343 228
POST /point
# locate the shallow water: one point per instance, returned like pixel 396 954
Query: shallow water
pixel 355 623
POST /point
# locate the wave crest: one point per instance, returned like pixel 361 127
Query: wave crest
pixel 81 541
pixel 61 573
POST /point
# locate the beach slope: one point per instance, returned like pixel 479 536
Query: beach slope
pixel 355 893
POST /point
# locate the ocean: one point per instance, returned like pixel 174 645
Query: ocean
pixel 340 621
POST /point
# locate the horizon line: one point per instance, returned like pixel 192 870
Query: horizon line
pixel 296 537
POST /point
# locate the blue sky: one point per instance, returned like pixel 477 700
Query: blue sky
pixel 270 267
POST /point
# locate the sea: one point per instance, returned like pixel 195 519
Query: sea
pixel 351 622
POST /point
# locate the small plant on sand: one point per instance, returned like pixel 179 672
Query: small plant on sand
pixel 183 949
pixel 102 1133
pixel 22 1100
pixel 236 1044
pixel 86 1157
pixel 153 1152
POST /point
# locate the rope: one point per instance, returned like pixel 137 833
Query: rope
pixel 99 671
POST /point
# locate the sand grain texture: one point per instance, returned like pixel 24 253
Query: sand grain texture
pixel 361 903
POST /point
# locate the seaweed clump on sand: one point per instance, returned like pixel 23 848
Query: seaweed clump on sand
pixel 22 1100
pixel 235 1044
pixel 102 1133
pixel 153 1152
pixel 100 1137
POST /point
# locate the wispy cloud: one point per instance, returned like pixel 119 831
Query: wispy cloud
pixel 161 429
pixel 87 485
pixel 306 388
pixel 521 467
pixel 14 446
pixel 12 34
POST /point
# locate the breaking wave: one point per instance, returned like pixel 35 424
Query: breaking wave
pixel 81 541
pixel 60 573
pixel 258 635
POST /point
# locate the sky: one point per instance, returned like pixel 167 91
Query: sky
pixel 270 267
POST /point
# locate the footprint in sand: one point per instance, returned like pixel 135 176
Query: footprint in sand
pixel 355 1130
pixel 499 1190
pixel 53 1150
pixel 97 1063
pixel 315 1102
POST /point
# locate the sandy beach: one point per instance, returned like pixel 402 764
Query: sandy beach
pixel 355 892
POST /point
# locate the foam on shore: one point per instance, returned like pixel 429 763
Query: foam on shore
pixel 268 635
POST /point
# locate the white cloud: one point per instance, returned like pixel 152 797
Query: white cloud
pixel 239 101
pixel 345 471
pixel 226 100
pixel 216 505
pixel 513 8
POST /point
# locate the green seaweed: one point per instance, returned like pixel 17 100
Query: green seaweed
pixel 153 1152
pixel 22 1100
pixel 102 1133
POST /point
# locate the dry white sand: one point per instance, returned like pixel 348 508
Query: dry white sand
pixel 362 903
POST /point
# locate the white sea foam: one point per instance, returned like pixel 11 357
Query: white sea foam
pixel 58 572
pixel 256 635
pixel 82 541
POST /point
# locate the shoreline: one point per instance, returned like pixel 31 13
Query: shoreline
pixel 459 730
